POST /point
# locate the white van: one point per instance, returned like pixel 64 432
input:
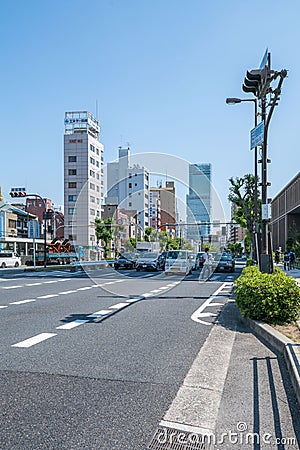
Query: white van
pixel 9 259
pixel 178 262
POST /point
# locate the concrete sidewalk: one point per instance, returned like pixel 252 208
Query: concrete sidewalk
pixel 242 391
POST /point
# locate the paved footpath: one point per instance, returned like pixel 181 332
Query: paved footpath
pixel 237 395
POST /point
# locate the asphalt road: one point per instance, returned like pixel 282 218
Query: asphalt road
pixel 94 361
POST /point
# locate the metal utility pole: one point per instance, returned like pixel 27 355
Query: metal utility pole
pixel 258 82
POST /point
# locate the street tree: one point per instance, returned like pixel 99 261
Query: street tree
pixel 105 232
pixel 242 194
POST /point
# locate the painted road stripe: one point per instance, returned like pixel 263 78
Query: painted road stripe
pixel 198 399
pixel 66 292
pixel 20 302
pixel 118 306
pixel 34 340
pixel 10 287
pixel 155 291
pixel 70 325
pixel 85 288
pixel 102 312
pixel 2 307
pixel 33 284
pixel 52 281
pixel 48 296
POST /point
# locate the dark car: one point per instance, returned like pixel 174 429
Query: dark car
pixel 225 263
pixel 126 261
pixel 149 261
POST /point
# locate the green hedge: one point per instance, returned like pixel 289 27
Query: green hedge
pixel 272 298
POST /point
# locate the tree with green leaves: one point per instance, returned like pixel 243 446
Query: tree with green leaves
pixel 242 194
pixel 105 232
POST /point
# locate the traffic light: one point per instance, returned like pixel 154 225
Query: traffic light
pixel 17 193
pixel 257 82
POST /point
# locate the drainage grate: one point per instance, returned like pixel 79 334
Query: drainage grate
pixel 170 439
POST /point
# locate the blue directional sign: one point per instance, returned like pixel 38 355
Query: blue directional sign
pixel 33 229
pixel 257 135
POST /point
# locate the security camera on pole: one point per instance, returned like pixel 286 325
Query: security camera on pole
pixel 259 83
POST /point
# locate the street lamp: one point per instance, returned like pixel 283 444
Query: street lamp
pixel 233 101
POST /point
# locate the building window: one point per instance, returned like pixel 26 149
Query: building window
pixel 92 212
pixel 135 184
pixel 72 185
pixel 72 198
pixel 92 148
pixel 92 199
pixel 130 185
pixel 71 210
pixel 72 171
pixel 92 173
pixel 129 204
pixel 98 189
pixel 97 163
pixel 97 151
pixel 92 161
pixel 92 186
pixel 11 223
pixel 98 178
pixel 72 158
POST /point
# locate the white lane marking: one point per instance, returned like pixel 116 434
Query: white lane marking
pixel 34 340
pixel 85 288
pixel 2 307
pixel 52 281
pixel 10 287
pixel 132 300
pixel 66 292
pixel 155 291
pixel 20 302
pixel 118 306
pixel 196 316
pixel 147 294
pixel 198 399
pixel 33 284
pixel 70 325
pixel 6 279
pixel 48 296
pixel 102 312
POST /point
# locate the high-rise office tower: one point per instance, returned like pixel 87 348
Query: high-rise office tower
pixel 198 201
pixel 82 178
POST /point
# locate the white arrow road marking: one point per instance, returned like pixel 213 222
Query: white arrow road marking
pixel 196 316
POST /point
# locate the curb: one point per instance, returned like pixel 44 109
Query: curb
pixel 289 349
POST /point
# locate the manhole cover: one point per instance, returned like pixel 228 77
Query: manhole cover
pixel 170 439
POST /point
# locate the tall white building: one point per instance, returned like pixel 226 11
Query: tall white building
pixel 128 187
pixel 83 175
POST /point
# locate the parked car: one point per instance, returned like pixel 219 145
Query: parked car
pixel 149 261
pixel 225 263
pixel 9 259
pixel 178 262
pixel 126 261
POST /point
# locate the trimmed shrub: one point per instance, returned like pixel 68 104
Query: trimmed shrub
pixel 272 298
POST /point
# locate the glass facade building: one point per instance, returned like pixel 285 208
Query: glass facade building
pixel 198 202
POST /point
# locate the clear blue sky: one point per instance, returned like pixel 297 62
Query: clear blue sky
pixel 160 71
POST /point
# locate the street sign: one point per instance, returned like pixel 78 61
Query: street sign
pixel 33 229
pixel 257 135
